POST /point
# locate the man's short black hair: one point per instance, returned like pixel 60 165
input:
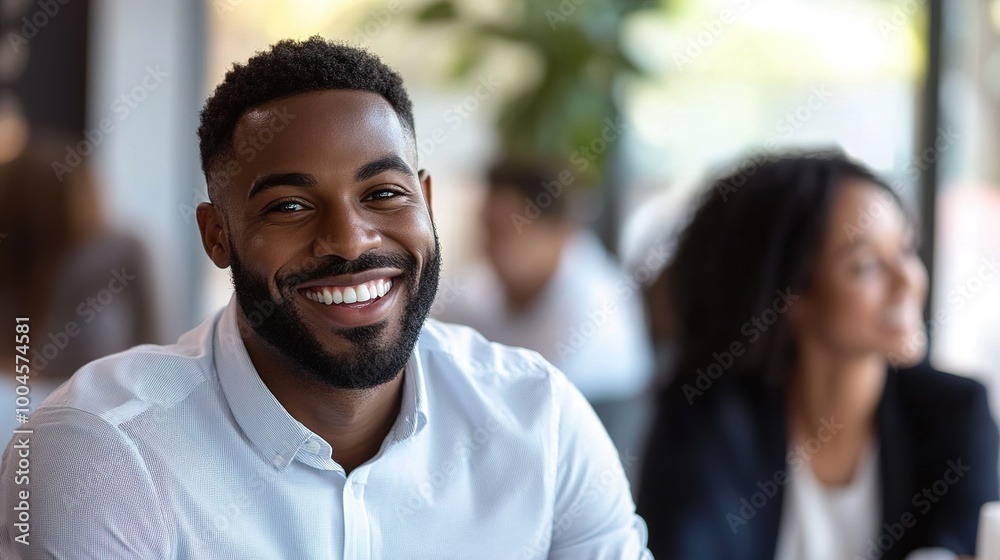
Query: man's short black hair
pixel 290 68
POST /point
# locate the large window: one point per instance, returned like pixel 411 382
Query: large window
pixel 731 77
pixel 966 323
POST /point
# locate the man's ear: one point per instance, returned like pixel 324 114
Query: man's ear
pixel 425 185
pixel 213 233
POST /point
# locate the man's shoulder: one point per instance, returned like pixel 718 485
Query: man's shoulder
pixel 123 385
pixel 473 380
pixel 467 349
pixel 459 359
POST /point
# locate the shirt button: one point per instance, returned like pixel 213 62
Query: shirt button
pixel 312 445
pixel 277 460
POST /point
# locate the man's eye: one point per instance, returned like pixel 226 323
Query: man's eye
pixel 287 207
pixel 385 194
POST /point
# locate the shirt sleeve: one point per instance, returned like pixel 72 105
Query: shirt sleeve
pixel 593 517
pixel 90 496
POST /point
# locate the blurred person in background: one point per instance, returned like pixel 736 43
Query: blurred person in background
pixel 788 432
pixel 549 285
pixel 86 289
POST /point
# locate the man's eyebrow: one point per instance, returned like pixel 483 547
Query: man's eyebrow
pixel 381 165
pixel 280 179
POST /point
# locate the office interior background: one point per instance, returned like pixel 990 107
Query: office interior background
pixel 673 89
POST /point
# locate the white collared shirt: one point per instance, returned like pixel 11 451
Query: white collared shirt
pixel 181 452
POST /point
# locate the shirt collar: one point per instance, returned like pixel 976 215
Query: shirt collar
pixel 413 408
pixel 265 422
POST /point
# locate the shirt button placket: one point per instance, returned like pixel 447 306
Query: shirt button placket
pixel 357 530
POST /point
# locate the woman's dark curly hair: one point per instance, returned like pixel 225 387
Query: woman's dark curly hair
pixel 758 230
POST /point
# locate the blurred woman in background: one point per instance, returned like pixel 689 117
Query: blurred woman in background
pixel 788 431
pixel 86 290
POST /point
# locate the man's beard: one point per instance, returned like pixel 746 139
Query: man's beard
pixel 375 358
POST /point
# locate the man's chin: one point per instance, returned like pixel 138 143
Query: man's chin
pixel 343 358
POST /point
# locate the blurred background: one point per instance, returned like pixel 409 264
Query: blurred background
pixel 642 99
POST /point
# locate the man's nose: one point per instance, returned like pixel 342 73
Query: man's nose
pixel 345 233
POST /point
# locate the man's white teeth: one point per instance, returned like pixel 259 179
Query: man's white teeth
pixel 331 295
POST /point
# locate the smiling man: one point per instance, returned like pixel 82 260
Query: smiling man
pixel 319 414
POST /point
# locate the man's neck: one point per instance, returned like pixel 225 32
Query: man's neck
pixel 353 421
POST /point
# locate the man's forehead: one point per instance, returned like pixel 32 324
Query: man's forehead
pixel 345 115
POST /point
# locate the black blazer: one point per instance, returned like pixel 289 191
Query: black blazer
pixel 707 459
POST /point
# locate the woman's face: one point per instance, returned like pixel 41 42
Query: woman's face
pixel 869 285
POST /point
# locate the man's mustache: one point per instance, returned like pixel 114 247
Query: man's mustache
pixel 337 266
